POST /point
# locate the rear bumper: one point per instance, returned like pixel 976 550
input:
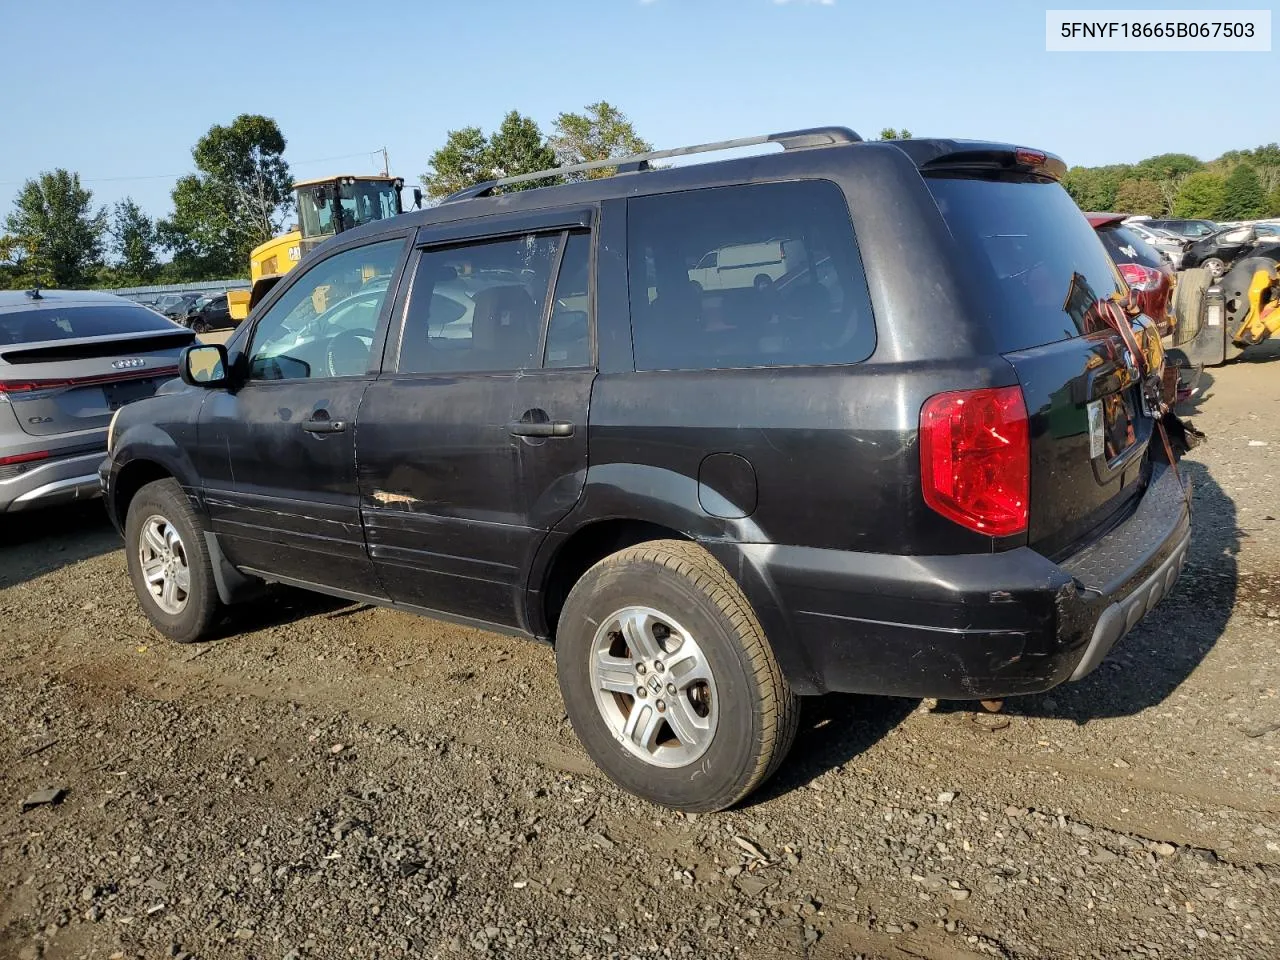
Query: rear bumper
pixel 963 627
pixel 52 482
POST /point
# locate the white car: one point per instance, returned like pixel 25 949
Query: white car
pixel 747 265
pixel 1168 244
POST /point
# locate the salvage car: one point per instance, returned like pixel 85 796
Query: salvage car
pixel 1218 251
pixel 209 313
pixel 68 361
pixel 710 502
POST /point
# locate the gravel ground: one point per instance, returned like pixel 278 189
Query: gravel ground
pixel 332 780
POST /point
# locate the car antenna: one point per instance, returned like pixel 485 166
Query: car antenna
pixel 34 293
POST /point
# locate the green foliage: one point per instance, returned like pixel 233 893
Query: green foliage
pixel 600 132
pixel 1095 188
pixel 519 147
pixel 1140 196
pixel 237 199
pixel 1239 185
pixel 1167 166
pixel 134 242
pixel 1243 196
pixel 889 133
pixel 469 157
pixel 54 237
pixel 1200 196
pixel 462 162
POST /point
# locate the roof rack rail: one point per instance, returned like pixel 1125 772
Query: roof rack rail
pixel 790 140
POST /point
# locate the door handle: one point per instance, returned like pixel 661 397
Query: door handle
pixel 558 428
pixel 324 425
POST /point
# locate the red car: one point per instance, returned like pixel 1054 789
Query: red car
pixel 1148 274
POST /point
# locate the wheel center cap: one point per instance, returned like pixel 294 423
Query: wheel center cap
pixel 655 684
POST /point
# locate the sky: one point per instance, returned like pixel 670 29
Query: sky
pixel 120 92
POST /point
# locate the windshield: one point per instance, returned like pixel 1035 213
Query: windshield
pixel 362 202
pixel 366 201
pixel 1038 264
pixel 86 320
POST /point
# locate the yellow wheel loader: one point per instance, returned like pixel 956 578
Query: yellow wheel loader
pixel 326 206
pixel 1251 292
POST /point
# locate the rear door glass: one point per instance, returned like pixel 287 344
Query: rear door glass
pixel 1037 263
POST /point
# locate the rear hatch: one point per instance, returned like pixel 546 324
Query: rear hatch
pixel 69 368
pixel 1048 286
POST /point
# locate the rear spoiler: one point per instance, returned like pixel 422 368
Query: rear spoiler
pixel 981 157
pixel 85 348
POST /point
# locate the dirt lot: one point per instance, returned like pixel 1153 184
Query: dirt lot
pixel 331 780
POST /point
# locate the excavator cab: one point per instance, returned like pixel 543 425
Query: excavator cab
pixel 325 207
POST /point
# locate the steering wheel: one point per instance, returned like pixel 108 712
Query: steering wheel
pixel 347 354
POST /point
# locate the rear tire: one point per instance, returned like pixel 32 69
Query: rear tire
pixel 658 637
pixel 169 563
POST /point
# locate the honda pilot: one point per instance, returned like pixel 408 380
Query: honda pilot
pixel 924 459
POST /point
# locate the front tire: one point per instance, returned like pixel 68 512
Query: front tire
pixel 669 681
pixel 169 563
pixel 1216 267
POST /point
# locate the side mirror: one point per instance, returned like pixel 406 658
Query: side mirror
pixel 204 365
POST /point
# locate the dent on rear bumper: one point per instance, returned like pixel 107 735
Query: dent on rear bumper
pixel 963 627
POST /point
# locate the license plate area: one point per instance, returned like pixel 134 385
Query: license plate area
pixel 119 394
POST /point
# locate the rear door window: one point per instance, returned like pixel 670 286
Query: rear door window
pixel 759 275
pixel 1037 263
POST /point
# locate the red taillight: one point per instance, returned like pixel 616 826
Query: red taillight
pixel 24 458
pixel 31 386
pixel 1139 277
pixel 1030 158
pixel 975 459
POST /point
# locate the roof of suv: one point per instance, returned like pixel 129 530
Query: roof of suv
pixel 801 153
pixel 14 300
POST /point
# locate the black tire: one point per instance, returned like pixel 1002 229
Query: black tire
pixel 757 710
pixel 199 326
pixel 1188 304
pixel 202 608
pixel 1215 265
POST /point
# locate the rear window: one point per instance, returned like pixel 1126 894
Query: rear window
pixel 1037 263
pixel 764 275
pixel 1126 246
pixel 84 320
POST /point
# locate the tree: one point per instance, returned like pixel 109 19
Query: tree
pixel 1200 196
pixel 518 147
pixel 1140 196
pixel 462 162
pixel 134 240
pixel 889 133
pixel 238 198
pixel 1166 166
pixel 1243 197
pixel 600 132
pixel 1273 203
pixel 54 234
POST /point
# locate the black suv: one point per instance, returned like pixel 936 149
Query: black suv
pixel 906 455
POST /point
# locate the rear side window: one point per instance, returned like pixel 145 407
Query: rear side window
pixel 763 275
pixel 1127 246
pixel 85 320
pixel 1038 264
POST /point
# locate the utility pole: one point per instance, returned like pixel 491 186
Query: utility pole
pixel 386 163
